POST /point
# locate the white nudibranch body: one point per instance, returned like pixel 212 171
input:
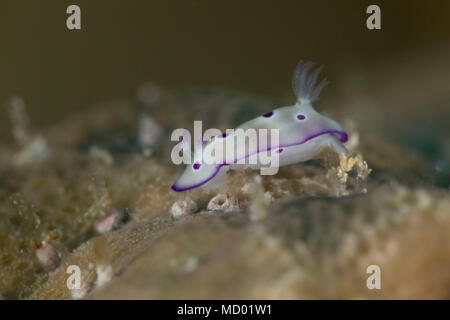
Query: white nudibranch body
pixel 301 133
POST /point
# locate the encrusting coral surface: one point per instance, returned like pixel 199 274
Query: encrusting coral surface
pixel 94 191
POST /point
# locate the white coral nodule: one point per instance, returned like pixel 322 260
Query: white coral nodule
pixel 182 208
pixel 224 202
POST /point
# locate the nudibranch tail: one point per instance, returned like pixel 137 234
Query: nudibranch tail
pixel 304 81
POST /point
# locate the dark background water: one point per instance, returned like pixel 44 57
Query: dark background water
pixel 246 45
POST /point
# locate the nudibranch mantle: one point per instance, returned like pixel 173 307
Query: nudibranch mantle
pixel 303 133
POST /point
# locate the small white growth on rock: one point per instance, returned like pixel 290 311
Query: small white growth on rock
pixel 19 119
pixel 111 222
pixel 33 147
pixel 353 136
pixel 82 292
pixel 423 199
pixel 34 151
pixel 224 202
pixel 101 154
pixel 269 196
pixel 250 188
pixel 183 207
pixel 46 255
pixel 190 265
pixel 104 275
pixel 259 201
pixel 148 131
pixel 353 141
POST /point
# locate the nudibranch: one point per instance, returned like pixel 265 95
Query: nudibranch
pixel 302 134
